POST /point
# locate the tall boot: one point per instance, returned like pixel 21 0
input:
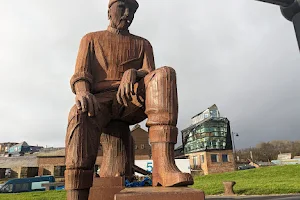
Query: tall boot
pixel 165 172
pixel 162 111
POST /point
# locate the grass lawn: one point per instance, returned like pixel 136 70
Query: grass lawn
pixel 49 195
pixel 268 180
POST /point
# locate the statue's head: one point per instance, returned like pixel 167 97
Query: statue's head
pixel 121 13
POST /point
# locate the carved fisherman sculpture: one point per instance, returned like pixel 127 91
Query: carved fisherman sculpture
pixel 116 85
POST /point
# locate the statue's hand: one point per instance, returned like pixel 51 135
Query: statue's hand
pixel 126 88
pixel 87 102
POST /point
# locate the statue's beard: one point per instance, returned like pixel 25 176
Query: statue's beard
pixel 123 24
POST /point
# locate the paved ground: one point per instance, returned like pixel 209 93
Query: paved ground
pixel 277 197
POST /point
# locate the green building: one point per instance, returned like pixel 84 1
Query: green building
pixel 207 143
pixel 208 131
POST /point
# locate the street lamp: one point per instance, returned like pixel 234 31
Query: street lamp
pixel 290 9
pixel 233 144
pixel 232 137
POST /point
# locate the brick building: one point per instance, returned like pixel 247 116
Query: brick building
pixel 21 167
pixel 142 147
pixel 212 161
pixel 52 161
pixel 207 143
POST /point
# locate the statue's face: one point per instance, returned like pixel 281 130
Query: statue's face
pixel 121 15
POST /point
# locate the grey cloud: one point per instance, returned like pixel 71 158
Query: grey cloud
pixel 241 55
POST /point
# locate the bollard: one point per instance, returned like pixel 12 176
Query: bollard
pixel 228 188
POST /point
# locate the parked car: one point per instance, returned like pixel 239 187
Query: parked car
pixel 244 167
pixel 26 184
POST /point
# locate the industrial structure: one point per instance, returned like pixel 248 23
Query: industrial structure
pixel 207 142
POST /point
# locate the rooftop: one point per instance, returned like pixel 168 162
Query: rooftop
pixel 205 120
pixel 59 152
pixel 20 161
pixel 22 144
pixel 205 110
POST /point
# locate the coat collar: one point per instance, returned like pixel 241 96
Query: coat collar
pixel 117 31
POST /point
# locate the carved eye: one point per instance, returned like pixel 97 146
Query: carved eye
pixel 121 6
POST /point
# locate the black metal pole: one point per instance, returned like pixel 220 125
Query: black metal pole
pixel 290 9
pixel 234 153
pixel 284 3
pixel 232 137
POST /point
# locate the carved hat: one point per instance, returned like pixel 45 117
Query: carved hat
pixel 134 3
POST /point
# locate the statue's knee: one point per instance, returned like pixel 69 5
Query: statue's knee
pixel 165 72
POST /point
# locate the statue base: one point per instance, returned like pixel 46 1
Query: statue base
pixel 106 188
pixel 160 193
pixel 114 189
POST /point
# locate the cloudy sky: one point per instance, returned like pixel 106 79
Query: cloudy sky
pixel 239 54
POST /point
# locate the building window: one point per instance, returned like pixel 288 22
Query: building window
pixel 142 146
pixel 214 113
pixel 59 171
pixel 7 188
pixel 22 187
pixel 225 158
pixel 202 158
pixel 195 162
pixel 214 157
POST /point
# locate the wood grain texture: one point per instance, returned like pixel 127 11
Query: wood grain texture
pixel 116 85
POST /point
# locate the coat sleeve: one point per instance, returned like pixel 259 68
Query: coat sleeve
pixel 148 59
pixel 83 62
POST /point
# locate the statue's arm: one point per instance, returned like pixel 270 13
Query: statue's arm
pixel 148 61
pixel 82 79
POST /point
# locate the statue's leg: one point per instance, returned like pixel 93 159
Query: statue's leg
pixel 162 111
pixel 82 141
pixel 118 153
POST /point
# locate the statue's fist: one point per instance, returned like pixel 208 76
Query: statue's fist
pixel 126 88
pixel 87 102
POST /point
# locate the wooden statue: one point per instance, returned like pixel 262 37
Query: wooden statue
pixel 116 85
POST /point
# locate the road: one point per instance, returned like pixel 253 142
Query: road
pixel 277 197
